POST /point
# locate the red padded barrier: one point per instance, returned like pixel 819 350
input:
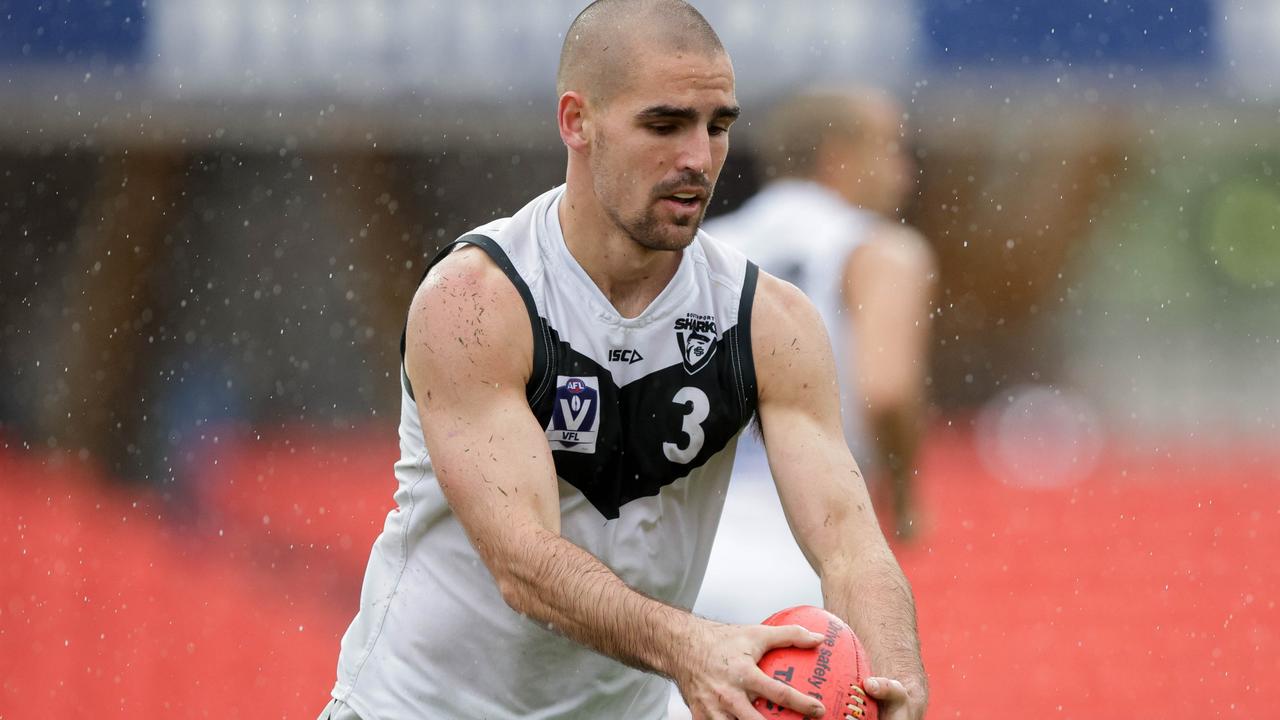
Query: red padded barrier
pixel 1146 589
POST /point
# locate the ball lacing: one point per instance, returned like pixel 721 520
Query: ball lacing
pixel 857 708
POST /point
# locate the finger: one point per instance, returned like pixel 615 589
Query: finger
pixel 780 693
pixel 711 713
pixel 793 636
pixel 743 710
pixel 885 689
pixel 725 703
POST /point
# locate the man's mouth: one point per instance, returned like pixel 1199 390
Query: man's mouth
pixel 687 198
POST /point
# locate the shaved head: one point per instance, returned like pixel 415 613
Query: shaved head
pixel 797 128
pixel 605 38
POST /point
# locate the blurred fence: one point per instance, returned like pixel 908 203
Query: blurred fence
pixel 217 212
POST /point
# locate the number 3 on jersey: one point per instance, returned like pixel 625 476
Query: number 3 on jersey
pixel 697 408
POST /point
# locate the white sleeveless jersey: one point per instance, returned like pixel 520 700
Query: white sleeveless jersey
pixel 803 233
pixel 642 416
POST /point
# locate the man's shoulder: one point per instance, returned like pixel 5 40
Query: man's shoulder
pixel 467 318
pixel 466 264
pixel 788 337
pixel 467 287
pixel 780 311
pixel 777 300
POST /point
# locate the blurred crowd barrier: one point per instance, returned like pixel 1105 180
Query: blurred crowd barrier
pixel 214 214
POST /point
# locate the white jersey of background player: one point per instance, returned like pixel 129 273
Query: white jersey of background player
pixel 839 172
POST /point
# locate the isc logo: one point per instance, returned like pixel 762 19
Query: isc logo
pixel 631 357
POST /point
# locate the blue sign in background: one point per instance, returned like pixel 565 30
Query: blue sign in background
pixel 485 48
pixel 1080 32
pixel 72 31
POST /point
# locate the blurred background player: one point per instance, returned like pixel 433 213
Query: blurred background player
pixel 840 173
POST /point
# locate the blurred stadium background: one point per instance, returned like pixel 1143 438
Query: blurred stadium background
pixel 212 215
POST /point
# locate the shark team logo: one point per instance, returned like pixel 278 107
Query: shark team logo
pixel 696 336
pixel 575 419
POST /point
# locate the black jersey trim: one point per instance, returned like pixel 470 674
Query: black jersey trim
pixel 739 342
pixel 540 378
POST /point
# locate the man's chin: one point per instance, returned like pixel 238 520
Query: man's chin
pixel 687 225
pixel 671 234
pixel 679 237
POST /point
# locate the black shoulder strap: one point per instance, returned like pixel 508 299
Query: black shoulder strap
pixel 540 379
pixel 740 346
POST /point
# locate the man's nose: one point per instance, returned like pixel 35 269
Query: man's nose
pixel 695 151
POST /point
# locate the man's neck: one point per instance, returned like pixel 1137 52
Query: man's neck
pixel 627 273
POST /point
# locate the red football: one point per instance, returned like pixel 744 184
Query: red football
pixel 829 672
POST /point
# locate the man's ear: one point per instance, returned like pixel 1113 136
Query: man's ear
pixel 571 115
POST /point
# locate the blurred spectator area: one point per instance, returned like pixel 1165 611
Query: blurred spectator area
pixel 216 213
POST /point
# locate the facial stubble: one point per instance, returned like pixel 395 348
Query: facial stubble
pixel 644 227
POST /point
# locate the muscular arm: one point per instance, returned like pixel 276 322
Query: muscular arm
pixel 469 356
pixel 822 491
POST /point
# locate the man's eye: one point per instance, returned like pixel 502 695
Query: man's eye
pixel 717 130
pixel 663 128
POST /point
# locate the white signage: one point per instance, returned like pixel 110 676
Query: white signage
pixel 495 49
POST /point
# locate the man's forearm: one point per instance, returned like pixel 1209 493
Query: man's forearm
pixel 555 582
pixel 874 597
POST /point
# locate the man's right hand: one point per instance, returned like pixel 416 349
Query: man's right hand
pixel 719 675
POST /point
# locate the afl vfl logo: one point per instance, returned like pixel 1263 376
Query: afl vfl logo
pixel 696 336
pixel 575 418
